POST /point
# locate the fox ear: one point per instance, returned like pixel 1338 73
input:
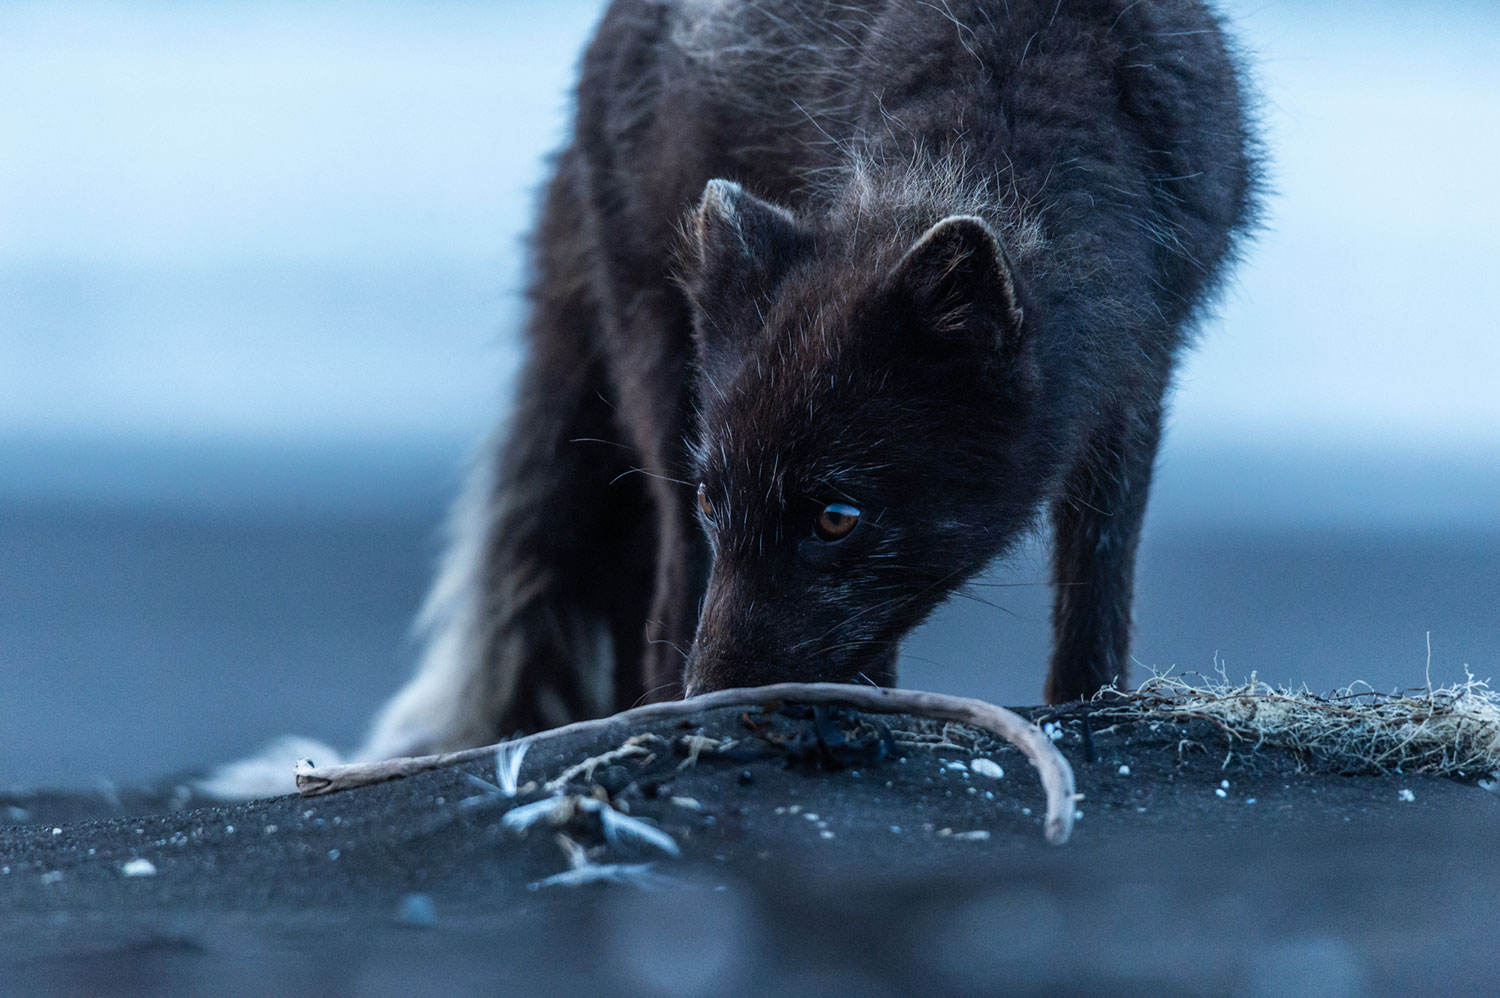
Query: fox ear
pixel 960 282
pixel 740 248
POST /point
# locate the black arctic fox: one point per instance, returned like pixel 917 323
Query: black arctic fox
pixel 860 288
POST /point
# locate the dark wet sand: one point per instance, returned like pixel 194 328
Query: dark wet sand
pixel 1323 885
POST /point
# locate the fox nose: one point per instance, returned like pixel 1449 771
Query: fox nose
pixel 692 674
pixel 690 686
pixel 719 665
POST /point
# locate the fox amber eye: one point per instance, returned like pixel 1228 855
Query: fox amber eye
pixel 835 522
pixel 703 503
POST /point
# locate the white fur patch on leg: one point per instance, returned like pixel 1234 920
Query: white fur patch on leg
pixel 437 705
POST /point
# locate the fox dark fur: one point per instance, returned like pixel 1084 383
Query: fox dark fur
pixel 922 267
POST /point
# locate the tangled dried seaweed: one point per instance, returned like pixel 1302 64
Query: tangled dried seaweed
pixel 1447 731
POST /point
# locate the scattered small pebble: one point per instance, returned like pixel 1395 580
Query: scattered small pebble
pixel 1224 784
pixel 1052 731
pixel 1026 811
pixel 228 829
pixel 780 810
pixel 825 833
pixel 895 830
pixel 1077 815
pixel 988 767
pixel 139 867
pixel 1406 795
pixel 57 831
pixel 417 911
pixel 978 835
pixel 1124 770
pixel 974 790
pixel 1249 800
pixel 957 766
pixel 810 816
pixel 334 854
pixel 794 809
pixel 5 870
pixel 52 876
pixel 687 803
pixel 1220 793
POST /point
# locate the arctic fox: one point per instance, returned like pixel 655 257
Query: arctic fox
pixel 830 300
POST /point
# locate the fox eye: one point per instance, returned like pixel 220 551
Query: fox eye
pixel 835 522
pixel 704 503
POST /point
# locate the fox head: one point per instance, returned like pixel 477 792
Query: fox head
pixel 865 436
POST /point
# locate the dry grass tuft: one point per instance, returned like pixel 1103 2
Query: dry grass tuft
pixel 1448 731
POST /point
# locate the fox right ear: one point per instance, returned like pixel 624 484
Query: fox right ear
pixel 959 279
pixel 741 247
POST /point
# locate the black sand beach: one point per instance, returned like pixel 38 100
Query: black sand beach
pixel 821 853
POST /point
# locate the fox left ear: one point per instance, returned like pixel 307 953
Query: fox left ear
pixel 960 281
pixel 740 247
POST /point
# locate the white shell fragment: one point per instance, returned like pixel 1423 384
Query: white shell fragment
pixel 139 867
pixel 1406 795
pixel 987 767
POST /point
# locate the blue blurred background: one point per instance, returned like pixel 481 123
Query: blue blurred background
pixel 259 267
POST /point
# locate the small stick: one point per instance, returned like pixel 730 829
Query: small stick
pixel 1056 774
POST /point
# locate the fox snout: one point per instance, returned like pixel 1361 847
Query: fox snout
pixel 755 642
pixel 725 654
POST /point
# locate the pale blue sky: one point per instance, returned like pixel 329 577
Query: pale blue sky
pixel 301 220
